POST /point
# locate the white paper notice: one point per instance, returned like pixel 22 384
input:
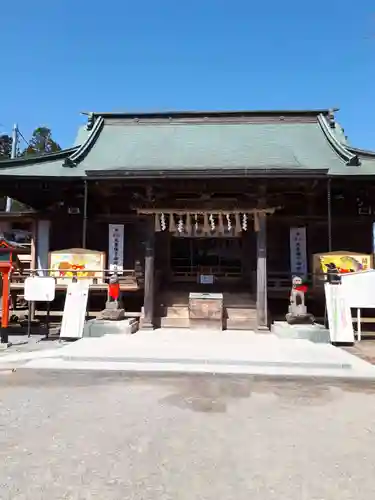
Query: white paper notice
pixel 116 248
pixel 39 289
pixel 298 254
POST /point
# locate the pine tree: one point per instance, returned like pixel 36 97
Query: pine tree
pixel 41 143
pixel 5 147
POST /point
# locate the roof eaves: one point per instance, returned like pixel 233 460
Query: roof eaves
pixel 198 114
pixel 24 161
pixel 352 160
pixel 209 173
pixel 80 152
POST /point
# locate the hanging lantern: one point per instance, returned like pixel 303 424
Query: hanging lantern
pixel 157 223
pixel 212 222
pixel 163 222
pixel 180 225
pixel 229 223
pixel 244 222
pixel 196 223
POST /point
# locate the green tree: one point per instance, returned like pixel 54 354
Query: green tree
pixel 5 147
pixel 41 143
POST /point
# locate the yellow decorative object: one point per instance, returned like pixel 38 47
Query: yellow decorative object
pixel 345 262
pixel 80 262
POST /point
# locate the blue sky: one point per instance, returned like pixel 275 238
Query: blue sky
pixel 119 55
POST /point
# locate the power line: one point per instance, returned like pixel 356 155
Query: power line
pixel 21 135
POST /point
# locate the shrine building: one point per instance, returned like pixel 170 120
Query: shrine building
pixel 233 203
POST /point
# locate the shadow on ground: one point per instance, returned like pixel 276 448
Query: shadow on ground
pixel 198 393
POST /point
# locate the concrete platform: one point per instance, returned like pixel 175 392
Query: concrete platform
pixel 188 351
pixel 101 327
pixel 315 333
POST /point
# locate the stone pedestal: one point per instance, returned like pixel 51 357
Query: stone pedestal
pixel 99 328
pixel 112 312
pixel 315 333
pixel 206 310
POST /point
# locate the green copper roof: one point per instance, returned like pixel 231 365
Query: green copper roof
pixel 169 146
pixel 166 143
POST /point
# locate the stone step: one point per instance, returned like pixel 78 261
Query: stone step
pixel 240 324
pixel 175 311
pixel 240 312
pixel 174 322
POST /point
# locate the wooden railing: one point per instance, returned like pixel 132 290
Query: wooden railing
pixel 279 283
pixel 129 279
pixel 191 273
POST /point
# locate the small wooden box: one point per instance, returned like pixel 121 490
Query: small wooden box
pixel 206 310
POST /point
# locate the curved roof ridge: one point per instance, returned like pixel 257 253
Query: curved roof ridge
pixel 84 148
pixel 209 113
pixel 25 160
pixel 363 152
pixel 342 150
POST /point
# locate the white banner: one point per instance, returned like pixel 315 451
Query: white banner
pixel 339 314
pixel 298 254
pixel 116 248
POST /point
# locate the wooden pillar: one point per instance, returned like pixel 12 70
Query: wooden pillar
pixel 329 215
pixel 262 319
pixel 42 246
pixel 148 302
pixel 33 245
pixel 84 221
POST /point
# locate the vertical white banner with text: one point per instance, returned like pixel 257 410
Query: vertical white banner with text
pixel 116 248
pixel 298 253
pixel 339 314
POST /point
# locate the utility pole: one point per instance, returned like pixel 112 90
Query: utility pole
pixel 13 155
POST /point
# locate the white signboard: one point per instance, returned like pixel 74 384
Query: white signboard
pixel 75 307
pixel 298 254
pixel 339 314
pixel 116 248
pixel 206 279
pixel 39 289
pixel 359 289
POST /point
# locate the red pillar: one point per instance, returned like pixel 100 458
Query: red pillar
pixel 5 300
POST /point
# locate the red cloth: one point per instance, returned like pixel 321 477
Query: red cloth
pixel 301 288
pixel 114 290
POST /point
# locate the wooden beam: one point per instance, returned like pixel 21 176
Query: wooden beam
pixel 262 319
pixel 152 211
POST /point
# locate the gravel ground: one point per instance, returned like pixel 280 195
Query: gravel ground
pixel 23 343
pixel 91 436
pixel 364 350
